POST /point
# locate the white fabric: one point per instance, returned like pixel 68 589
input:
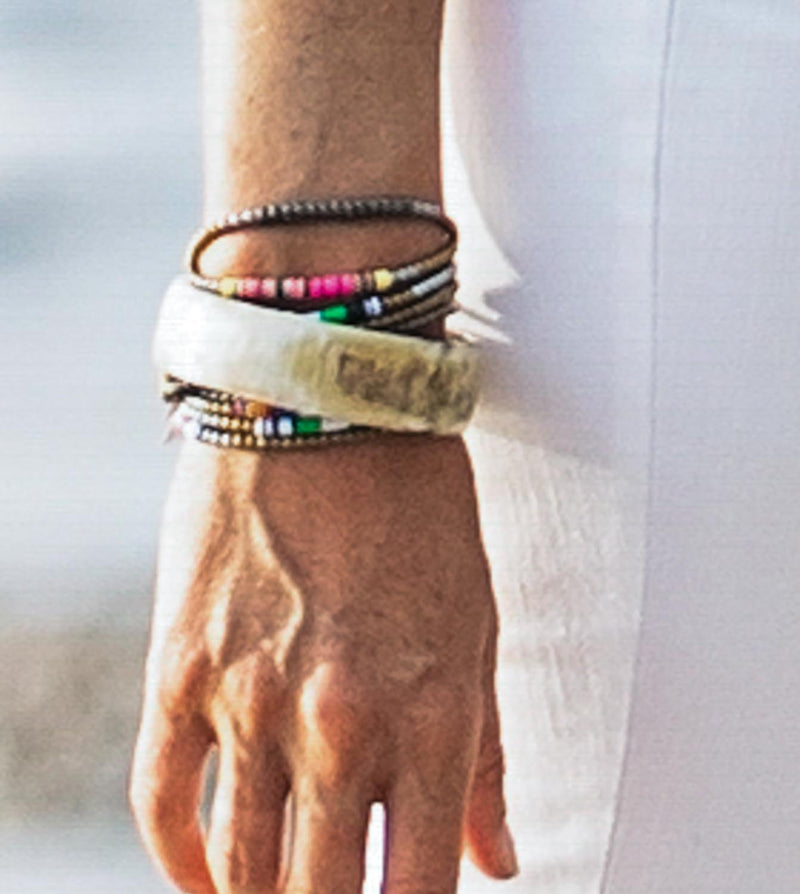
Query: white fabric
pixel 631 229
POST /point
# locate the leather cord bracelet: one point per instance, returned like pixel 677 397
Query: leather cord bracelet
pixel 282 291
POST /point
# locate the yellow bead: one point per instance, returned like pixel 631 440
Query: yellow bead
pixel 236 440
pixel 383 279
pixel 249 441
pixel 227 287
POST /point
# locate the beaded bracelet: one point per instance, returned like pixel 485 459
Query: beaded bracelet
pixel 283 291
pixel 220 419
pixel 400 300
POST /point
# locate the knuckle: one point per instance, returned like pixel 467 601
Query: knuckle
pixel 338 719
pixel 250 694
pixel 180 671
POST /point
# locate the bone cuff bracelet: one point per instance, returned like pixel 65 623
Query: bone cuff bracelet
pixel 379 379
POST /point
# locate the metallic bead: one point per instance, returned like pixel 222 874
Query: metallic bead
pixel 256 408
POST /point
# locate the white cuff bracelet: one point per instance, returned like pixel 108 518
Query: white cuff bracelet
pixel 295 361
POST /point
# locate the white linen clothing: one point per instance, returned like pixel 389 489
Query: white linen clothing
pixel 626 175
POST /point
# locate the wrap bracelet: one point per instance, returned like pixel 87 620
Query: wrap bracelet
pixel 323 286
pixel 346 360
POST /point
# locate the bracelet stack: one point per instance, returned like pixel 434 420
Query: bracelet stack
pixel 313 358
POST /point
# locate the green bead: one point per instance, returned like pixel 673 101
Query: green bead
pixel 308 425
pixel 335 314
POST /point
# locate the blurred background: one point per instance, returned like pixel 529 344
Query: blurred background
pixel 99 187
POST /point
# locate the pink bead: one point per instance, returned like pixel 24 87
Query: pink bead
pixel 250 288
pixel 331 285
pixel 269 288
pixel 348 284
pixel 316 287
pixel 293 287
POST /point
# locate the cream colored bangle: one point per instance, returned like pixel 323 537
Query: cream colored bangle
pixel 364 377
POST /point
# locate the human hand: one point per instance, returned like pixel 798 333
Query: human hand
pixel 325 619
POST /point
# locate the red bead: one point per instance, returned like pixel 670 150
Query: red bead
pixel 348 284
pixel 331 285
pixel 293 287
pixel 316 287
pixel 250 288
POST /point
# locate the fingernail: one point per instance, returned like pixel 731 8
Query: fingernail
pixel 507 853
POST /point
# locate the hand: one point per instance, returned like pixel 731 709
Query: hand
pixel 325 619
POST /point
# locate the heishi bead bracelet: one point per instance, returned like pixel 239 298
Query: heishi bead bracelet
pixel 320 290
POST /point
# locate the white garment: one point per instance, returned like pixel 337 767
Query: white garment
pixel 637 164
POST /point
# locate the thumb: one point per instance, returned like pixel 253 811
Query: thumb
pixel 489 843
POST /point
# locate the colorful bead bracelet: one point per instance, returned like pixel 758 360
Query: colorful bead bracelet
pixel 379 312
pixel 223 419
pixel 321 290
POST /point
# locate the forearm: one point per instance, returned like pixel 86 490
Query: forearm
pixel 313 99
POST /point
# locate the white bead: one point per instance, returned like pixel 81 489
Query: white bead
pixel 373 307
pixel 258 427
pixel 333 425
pixel 285 426
pixel 269 427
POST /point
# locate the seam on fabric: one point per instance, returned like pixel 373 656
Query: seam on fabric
pixel 655 306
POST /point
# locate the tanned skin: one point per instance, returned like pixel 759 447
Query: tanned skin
pixel 323 618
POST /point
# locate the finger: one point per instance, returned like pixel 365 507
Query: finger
pixel 332 788
pixel 244 841
pixel 488 838
pixel 329 830
pixel 165 791
pixel 426 804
